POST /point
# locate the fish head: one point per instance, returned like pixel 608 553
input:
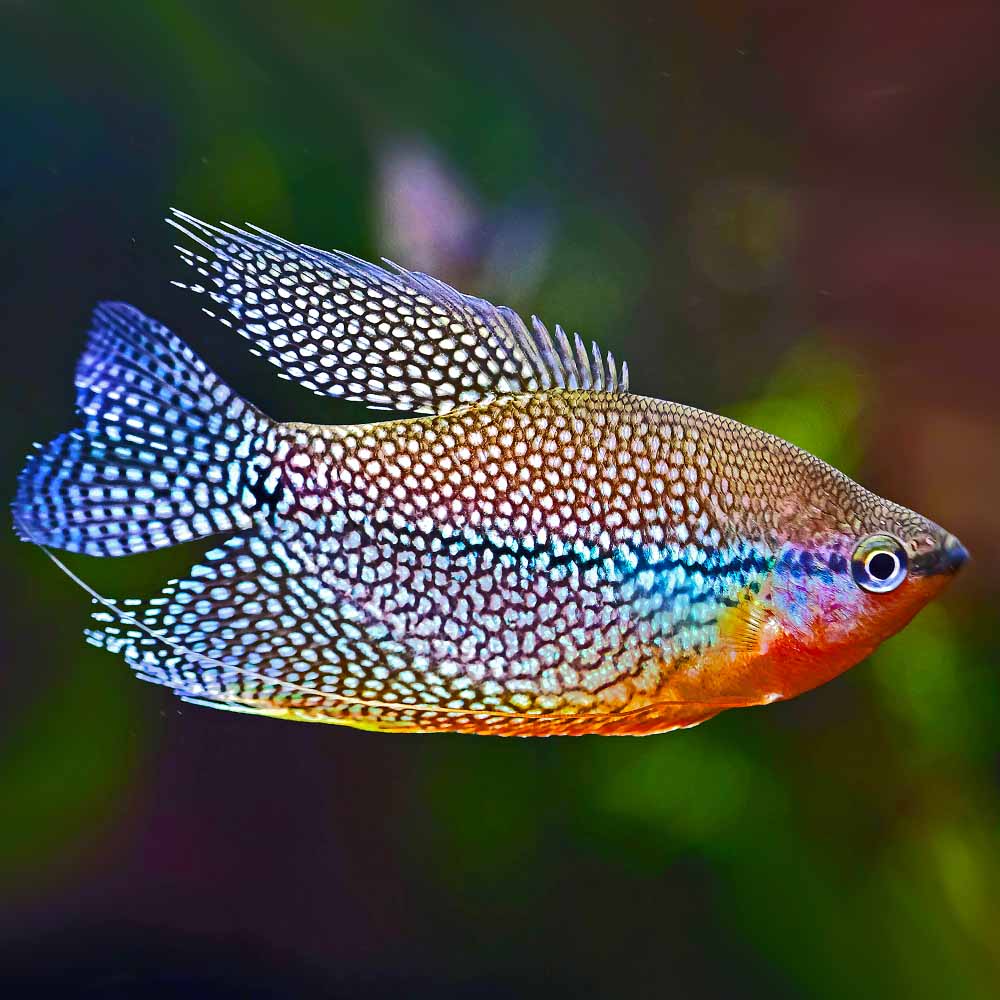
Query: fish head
pixel 899 568
pixel 848 572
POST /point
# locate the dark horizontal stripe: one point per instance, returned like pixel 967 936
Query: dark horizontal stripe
pixel 622 558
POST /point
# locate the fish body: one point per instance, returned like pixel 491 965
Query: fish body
pixel 542 552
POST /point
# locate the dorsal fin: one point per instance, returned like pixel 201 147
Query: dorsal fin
pixel 388 337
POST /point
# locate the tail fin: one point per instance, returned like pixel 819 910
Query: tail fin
pixel 165 454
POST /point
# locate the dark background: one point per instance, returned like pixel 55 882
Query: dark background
pixel 787 213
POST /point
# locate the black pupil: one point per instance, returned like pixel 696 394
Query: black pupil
pixel 881 565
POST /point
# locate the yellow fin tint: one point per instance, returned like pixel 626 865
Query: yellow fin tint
pixel 742 625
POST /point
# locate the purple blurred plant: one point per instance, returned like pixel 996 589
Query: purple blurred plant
pixel 428 217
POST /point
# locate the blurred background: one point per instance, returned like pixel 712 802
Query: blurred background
pixel 787 213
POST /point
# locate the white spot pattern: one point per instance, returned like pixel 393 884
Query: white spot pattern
pixel 414 576
pixel 395 339
pixel 163 456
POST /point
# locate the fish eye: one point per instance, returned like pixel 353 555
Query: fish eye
pixel 879 563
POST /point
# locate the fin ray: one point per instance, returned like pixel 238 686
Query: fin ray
pixel 245 631
pixel 385 336
pixel 161 456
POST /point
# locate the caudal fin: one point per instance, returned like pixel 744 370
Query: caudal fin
pixel 166 453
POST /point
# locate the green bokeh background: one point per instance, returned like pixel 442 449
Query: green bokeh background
pixel 789 215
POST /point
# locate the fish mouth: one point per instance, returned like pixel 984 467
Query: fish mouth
pixel 948 558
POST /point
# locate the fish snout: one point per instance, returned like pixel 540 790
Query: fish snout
pixel 947 558
pixel 954 555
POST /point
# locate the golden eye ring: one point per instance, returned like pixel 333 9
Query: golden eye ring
pixel 879 564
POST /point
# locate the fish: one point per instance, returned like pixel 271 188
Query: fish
pixel 524 548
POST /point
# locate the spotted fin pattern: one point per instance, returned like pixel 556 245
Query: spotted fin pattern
pixel 252 628
pixel 394 339
pixel 163 455
pixel 255 629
